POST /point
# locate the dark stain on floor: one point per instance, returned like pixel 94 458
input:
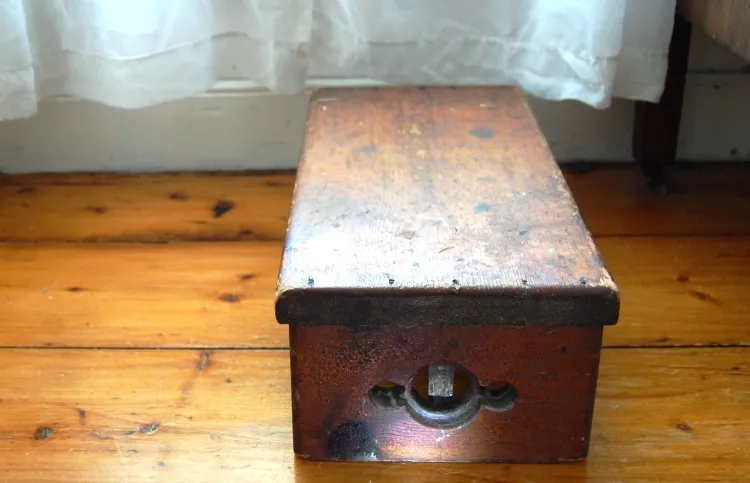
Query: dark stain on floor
pixel 81 416
pixel 229 298
pixel 203 361
pixel 43 432
pixel 149 428
pixel 222 207
pixel 705 297
pixel 99 210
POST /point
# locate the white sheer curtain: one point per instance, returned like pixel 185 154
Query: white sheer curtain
pixel 137 53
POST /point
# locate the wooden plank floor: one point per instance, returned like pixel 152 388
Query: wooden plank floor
pixel 138 340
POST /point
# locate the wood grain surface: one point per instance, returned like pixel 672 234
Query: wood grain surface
pixel 165 207
pixel 674 291
pixel 697 200
pixel 546 419
pixel 176 415
pixel 435 206
pixel 726 21
pixel 144 295
pixel 680 290
pixel 144 208
pixel 207 414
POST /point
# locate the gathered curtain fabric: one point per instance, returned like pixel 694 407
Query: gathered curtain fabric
pixel 138 53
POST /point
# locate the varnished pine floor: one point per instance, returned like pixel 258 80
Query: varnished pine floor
pixel 138 342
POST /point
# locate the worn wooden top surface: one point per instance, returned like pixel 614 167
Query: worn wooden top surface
pixel 434 191
pixel 138 340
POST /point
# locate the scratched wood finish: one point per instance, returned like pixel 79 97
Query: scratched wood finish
pixel 417 206
pixel 726 21
pixel 124 415
pixel 614 200
pixel 674 291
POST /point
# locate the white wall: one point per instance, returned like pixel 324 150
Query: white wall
pixel 240 126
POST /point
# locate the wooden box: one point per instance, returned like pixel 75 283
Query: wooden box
pixel 445 300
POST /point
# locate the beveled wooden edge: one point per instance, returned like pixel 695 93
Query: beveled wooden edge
pixel 584 306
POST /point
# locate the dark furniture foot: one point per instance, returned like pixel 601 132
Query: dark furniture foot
pixel 656 126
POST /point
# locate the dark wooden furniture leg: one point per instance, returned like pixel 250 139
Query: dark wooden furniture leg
pixel 656 126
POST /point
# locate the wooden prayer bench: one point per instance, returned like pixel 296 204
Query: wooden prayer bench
pixel 444 297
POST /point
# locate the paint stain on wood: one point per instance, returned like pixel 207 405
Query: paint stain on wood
pixel 203 361
pixel 482 208
pixel 149 428
pixel 368 149
pixel 43 432
pixel 222 207
pixel 482 132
